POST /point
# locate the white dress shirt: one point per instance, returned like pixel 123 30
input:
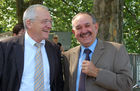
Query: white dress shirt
pixel 27 81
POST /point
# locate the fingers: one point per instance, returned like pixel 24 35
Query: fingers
pixel 89 68
pixel 85 66
pixel 85 61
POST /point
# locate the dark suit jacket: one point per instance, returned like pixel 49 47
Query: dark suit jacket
pixel 112 58
pixel 13 62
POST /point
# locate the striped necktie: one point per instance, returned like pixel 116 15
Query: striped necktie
pixel 39 73
pixel 82 75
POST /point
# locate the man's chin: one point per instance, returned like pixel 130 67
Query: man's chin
pixel 45 36
pixel 86 43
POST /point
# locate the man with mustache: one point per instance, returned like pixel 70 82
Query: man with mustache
pixel 95 65
pixel 30 62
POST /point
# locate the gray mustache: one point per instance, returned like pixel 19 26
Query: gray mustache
pixel 82 35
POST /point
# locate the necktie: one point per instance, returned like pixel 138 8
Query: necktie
pixel 82 75
pixel 39 74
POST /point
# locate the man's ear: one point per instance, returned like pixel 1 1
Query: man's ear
pixel 96 27
pixel 28 23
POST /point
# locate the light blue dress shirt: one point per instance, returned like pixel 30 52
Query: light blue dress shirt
pixel 81 59
pixel 27 81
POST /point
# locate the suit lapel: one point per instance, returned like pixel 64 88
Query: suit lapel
pixel 19 51
pixel 98 52
pixel 51 60
pixel 74 56
pixel 73 67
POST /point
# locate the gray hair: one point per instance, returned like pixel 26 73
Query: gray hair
pixel 81 13
pixel 30 13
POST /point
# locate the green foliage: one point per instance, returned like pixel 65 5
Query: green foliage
pixel 7 15
pixel 74 41
pixel 131 33
pixel 62 12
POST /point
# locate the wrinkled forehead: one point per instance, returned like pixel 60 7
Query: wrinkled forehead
pixel 81 19
pixel 41 12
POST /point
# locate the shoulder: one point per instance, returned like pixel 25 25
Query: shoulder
pixel 107 45
pixel 51 44
pixel 114 45
pixel 11 39
pixel 72 50
pixel 9 42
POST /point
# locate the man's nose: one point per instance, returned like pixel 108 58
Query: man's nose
pixel 84 29
pixel 49 25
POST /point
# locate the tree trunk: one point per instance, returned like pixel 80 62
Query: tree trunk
pixel 109 16
pixel 21 6
pixel 20 9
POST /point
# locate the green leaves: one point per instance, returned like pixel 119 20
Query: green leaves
pixel 7 15
pixel 62 12
pixel 131 33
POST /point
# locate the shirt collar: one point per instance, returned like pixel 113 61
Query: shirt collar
pixel 92 47
pixel 31 41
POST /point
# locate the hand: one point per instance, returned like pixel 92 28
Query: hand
pixel 89 68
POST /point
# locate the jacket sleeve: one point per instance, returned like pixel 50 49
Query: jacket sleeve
pixel 66 72
pixel 120 78
pixel 59 82
pixel 1 66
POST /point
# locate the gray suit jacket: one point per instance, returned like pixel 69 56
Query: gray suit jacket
pixel 114 61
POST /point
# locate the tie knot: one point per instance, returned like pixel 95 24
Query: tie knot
pixel 38 45
pixel 87 51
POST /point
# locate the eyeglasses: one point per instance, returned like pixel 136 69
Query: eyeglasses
pixel 45 21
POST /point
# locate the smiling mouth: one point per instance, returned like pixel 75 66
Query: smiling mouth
pixel 45 31
pixel 85 34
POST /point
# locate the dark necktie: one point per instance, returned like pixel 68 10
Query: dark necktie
pixel 82 75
